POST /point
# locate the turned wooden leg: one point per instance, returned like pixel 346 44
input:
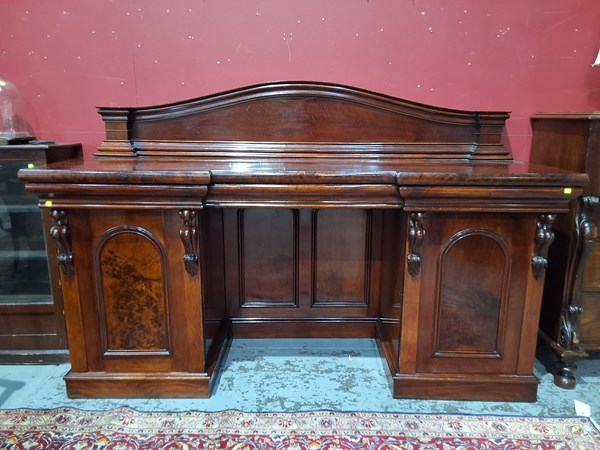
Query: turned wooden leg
pixel 565 374
pixel 569 351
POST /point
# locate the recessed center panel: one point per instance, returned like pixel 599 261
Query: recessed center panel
pixel 341 256
pixel 268 244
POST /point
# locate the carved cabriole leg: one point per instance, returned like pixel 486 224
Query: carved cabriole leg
pixel 62 237
pixel 587 235
pixel 189 237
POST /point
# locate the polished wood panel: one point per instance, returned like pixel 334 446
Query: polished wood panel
pixel 269 257
pixel 589 330
pixel 474 272
pixel 212 263
pixel 391 285
pixel 341 257
pixel 311 210
pixel 336 119
pixel 591 273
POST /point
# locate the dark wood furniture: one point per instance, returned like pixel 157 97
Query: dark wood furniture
pixel 570 318
pixel 32 326
pixel 302 209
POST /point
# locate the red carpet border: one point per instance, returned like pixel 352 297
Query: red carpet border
pixel 124 428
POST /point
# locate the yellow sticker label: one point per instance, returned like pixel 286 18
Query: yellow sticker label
pixel 48 203
pixel 30 165
pixel 568 191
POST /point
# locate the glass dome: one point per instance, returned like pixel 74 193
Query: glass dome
pixel 14 124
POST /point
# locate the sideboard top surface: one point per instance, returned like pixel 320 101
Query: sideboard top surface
pixel 302 170
pixel 301 133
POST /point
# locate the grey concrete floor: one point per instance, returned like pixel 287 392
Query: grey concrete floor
pixel 300 375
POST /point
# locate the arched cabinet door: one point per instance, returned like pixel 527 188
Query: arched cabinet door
pixel 140 305
pixel 472 302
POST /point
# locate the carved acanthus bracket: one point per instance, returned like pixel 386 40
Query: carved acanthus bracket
pixel 189 237
pixel 62 237
pixel 568 327
pixel 416 235
pixel 587 226
pixel 543 238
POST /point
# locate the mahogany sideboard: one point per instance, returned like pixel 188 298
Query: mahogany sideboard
pixel 302 209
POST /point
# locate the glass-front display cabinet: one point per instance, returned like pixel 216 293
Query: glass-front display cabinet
pixel 32 326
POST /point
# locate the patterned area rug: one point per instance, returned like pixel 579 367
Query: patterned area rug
pixel 129 429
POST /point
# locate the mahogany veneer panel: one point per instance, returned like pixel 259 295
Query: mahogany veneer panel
pixel 341 257
pixel 474 273
pixel 591 274
pixel 269 257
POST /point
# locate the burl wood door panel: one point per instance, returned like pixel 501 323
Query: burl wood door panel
pixel 473 291
pixel 129 268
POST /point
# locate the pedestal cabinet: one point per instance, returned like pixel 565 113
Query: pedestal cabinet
pixel 32 327
pixel 570 320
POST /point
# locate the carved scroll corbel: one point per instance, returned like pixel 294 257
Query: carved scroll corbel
pixel 568 327
pixel 416 235
pixel 189 237
pixel 587 226
pixel 62 237
pixel 544 236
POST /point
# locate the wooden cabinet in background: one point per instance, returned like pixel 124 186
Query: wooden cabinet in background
pixel 570 320
pixel 32 326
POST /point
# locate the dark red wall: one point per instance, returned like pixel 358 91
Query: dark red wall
pixel 69 56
